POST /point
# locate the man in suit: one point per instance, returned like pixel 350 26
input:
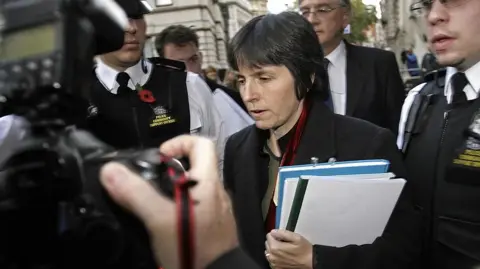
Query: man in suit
pixel 364 82
pixel 281 81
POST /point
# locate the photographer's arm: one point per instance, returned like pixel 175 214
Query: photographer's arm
pixel 215 228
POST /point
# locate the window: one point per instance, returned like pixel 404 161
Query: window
pixel 161 3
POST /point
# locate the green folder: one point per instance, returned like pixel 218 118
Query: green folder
pixel 297 204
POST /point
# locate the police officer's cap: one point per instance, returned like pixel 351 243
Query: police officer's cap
pixel 135 9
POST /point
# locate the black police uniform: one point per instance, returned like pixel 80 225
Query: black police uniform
pixel 443 162
pixel 125 121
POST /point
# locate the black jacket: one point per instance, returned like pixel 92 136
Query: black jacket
pixel 325 135
pixel 235 259
pixel 375 90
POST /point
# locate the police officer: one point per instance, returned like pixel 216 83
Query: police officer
pixel 439 134
pixel 180 43
pixel 141 103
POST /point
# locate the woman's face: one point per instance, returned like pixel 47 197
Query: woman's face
pixel 269 95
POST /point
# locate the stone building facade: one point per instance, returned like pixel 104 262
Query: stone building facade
pixel 404 29
pixel 215 21
pixel 259 7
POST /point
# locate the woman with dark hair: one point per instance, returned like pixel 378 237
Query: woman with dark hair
pixel 280 73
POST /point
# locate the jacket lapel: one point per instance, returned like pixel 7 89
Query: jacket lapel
pixel 318 139
pixel 256 177
pixel 355 79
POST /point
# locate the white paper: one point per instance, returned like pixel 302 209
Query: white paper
pixel 379 176
pixel 343 210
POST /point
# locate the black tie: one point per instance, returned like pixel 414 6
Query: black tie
pixel 122 80
pixel 459 82
pixel 328 101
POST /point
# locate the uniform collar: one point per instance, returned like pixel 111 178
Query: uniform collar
pixel 337 55
pixel 107 75
pixel 473 76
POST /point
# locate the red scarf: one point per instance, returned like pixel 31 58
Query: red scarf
pixel 287 159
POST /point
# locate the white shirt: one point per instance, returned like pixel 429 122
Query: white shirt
pixel 234 117
pixel 471 91
pixel 205 119
pixel 337 75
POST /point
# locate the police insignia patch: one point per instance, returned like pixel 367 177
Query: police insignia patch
pixel 162 116
pixel 159 110
pixel 465 166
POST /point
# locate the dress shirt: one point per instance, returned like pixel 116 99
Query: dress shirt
pixel 471 91
pixel 337 74
pixel 205 119
pixel 234 117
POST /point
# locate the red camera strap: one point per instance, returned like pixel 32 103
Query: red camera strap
pixel 185 214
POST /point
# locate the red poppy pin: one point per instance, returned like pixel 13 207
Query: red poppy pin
pixel 145 95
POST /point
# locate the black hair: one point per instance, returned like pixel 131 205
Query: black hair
pixel 175 34
pixel 345 3
pixel 285 39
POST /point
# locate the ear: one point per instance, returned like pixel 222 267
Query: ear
pixel 200 57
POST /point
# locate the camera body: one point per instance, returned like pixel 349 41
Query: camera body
pixel 32 46
pixel 45 44
pixel 55 213
pixel 53 210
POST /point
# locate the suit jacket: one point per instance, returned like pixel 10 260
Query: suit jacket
pixel 375 90
pixel 325 135
pixel 233 94
pixel 235 259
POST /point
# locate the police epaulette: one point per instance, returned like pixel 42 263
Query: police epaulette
pixel 431 76
pixel 167 63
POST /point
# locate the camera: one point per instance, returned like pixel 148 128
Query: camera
pixel 53 210
pixel 49 45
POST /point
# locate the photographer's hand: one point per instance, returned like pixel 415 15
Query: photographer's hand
pixel 214 221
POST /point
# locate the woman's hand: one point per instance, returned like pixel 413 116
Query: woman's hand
pixel 288 250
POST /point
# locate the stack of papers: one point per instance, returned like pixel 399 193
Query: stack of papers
pixel 343 204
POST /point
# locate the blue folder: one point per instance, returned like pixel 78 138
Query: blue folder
pixel 326 169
